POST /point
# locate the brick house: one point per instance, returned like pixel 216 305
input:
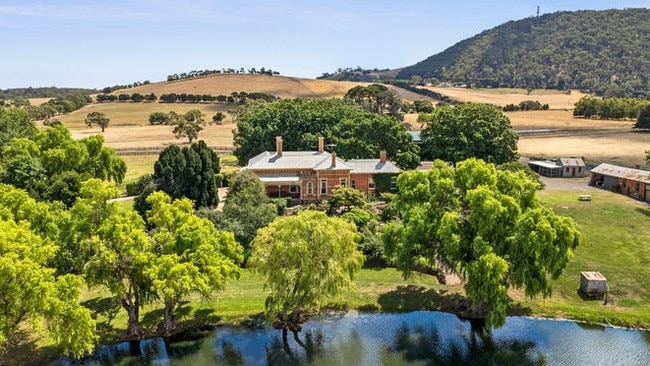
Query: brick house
pixel 312 175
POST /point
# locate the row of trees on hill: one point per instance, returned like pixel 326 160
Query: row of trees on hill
pixel 526 105
pixel 124 97
pixel 609 108
pixel 42 92
pixel 199 73
pixel 234 97
pixel 57 106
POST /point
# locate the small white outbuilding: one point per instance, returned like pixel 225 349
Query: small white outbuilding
pixel 593 285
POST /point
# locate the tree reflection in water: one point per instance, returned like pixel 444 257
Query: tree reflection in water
pixel 476 347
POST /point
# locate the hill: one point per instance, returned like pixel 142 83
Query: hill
pixel 603 52
pixel 279 86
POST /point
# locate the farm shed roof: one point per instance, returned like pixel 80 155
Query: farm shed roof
pixel 545 164
pixel 636 175
pixel 571 162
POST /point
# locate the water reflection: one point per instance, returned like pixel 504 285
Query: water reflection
pixel 417 338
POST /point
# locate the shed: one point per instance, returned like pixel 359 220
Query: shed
pixel 593 285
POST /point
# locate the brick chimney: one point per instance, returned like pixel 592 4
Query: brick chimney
pixel 333 159
pixel 382 156
pixel 278 145
pixel 321 144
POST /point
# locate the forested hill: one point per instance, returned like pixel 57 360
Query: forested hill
pixel 604 52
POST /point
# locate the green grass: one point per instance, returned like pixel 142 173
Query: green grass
pixel 616 231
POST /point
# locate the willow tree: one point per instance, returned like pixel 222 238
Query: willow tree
pixel 305 258
pixel 484 224
pixel 191 256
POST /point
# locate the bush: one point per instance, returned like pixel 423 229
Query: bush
pixel 281 205
pixel 135 187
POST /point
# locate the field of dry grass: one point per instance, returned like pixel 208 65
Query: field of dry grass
pixel 503 96
pixel 597 141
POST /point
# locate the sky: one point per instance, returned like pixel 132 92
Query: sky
pixel 99 43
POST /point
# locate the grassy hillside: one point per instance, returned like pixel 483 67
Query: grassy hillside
pixel 602 51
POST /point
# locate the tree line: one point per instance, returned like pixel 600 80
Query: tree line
pixel 234 97
pixel 526 105
pixel 199 73
pixel 609 108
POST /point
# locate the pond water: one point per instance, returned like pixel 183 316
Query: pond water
pixel 417 338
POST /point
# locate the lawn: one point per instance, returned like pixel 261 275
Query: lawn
pixel 616 232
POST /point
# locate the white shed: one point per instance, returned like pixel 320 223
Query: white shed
pixel 593 285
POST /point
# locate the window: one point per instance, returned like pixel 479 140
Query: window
pixel 393 183
pixel 343 182
pixel 353 184
pixel 310 188
pixel 293 188
pixel 371 183
pixel 323 186
pixel 566 169
pixel 579 169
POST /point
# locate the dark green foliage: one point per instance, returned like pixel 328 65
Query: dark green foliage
pixel 609 108
pixel 14 122
pixel 45 92
pixel 643 121
pixel 375 98
pixel 188 172
pixel 135 187
pixel 299 121
pixel 280 205
pixel 51 165
pixel 384 183
pixel 586 50
pixel 246 209
pixel 159 118
pixel 469 130
pixel 423 106
pixel 363 136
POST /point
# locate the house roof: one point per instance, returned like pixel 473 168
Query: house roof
pixel 294 160
pixel 372 166
pixel 637 175
pixel 315 160
pixel 571 162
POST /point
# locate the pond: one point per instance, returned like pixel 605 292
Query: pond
pixel 416 338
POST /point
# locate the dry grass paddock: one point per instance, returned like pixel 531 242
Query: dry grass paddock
pixel 503 96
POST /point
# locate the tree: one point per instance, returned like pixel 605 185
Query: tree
pixel 159 118
pixel 122 253
pixel 466 131
pixel 188 172
pixel 247 208
pixel 299 121
pixel 375 98
pixel 364 135
pixel 304 257
pixel 189 126
pixel 192 255
pixel 483 224
pixel 218 117
pixel 97 118
pixel 15 122
pixel 643 121
pixel 32 293
pixel 347 198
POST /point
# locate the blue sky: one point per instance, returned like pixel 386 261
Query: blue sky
pixel 98 43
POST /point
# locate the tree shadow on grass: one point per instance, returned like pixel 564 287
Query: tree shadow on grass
pixel 106 307
pixel 416 298
pixel 644 211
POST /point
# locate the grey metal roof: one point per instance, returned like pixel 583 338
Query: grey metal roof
pixel 372 166
pixel 571 162
pixel 637 175
pixel 289 160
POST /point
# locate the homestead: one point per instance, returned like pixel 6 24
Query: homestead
pixel 312 175
pixel 632 182
pixel 560 168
